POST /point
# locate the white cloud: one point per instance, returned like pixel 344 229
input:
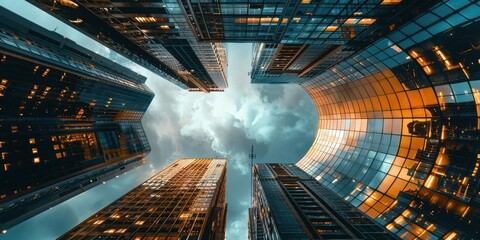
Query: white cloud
pixel 278 120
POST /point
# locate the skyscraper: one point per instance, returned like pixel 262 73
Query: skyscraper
pixel 69 119
pixel 398 115
pixel 186 200
pixel 155 34
pixel 396 85
pixel 287 203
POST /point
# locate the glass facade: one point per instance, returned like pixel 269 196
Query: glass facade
pixel 287 203
pixel 395 86
pixel 154 34
pixel 186 200
pixel 398 126
pixel 69 119
pixel 395 83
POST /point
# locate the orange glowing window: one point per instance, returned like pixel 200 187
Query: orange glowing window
pixel 331 28
pixel 149 19
pixel 263 20
pixel 36 160
pixel 351 21
pixel 366 21
pixel 306 1
pixel 32 141
pixel 390 2
pixel 98 222
pixel 111 230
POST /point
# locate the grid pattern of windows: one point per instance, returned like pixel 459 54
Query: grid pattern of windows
pixel 184 201
pixel 299 22
pixel 152 32
pixel 68 121
pixel 289 204
pixel 398 125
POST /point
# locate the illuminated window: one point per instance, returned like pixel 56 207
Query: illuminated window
pixel 111 230
pixel 80 113
pixel 165 27
pixel 331 28
pixel 32 141
pixel 121 230
pixel 68 3
pixel 98 222
pixel 149 19
pixel 34 150
pixel 55 147
pixel 389 2
pixel 263 20
pixel 59 155
pixel 6 166
pixel 36 160
pixel 139 222
pixel 3 87
pixel 78 20
pixel 45 73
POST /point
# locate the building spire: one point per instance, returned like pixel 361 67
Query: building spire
pixel 251 156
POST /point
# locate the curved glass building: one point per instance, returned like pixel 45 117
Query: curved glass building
pixel 398 120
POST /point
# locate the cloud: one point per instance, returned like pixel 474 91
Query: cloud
pixel 279 120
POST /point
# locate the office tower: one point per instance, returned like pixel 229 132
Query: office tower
pixel 398 122
pixel 69 119
pixel 287 203
pixel 318 35
pixel 154 34
pixel 396 86
pixel 186 200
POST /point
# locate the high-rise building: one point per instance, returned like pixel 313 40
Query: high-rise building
pixel 398 132
pixel 396 86
pixel 186 200
pixel 287 203
pixel 309 37
pixel 69 119
pixel 155 34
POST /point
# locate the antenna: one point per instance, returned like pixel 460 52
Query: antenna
pixel 251 156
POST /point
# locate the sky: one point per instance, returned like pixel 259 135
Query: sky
pixel 279 120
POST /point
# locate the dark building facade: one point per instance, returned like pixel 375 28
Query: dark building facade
pixel 155 34
pixel 287 203
pixel 69 119
pixel 186 200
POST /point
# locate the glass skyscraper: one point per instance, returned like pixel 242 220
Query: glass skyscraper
pixel 287 203
pixel 395 83
pixel 154 34
pixel 186 200
pixel 398 114
pixel 69 119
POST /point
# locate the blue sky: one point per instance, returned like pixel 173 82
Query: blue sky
pixel 279 120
